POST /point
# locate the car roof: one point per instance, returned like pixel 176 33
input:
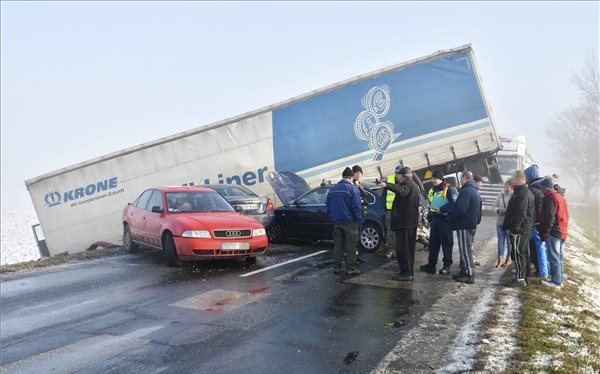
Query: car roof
pixel 227 186
pixel 184 189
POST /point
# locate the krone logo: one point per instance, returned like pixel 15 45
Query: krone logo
pixel 369 125
pixel 52 198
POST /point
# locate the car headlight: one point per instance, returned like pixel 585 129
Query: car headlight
pixel 259 232
pixel 195 234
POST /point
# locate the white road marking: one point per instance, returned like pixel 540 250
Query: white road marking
pixel 281 264
pixel 75 357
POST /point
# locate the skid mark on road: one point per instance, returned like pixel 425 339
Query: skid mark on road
pixel 219 300
pixel 380 277
pixel 76 356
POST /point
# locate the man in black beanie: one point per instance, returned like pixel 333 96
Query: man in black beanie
pixel 344 208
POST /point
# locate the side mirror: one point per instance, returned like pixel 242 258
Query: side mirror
pixel 238 209
pixel 157 209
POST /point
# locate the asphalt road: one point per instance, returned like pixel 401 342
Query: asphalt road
pixel 133 314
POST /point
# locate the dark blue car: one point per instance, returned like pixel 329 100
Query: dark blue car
pixel 304 214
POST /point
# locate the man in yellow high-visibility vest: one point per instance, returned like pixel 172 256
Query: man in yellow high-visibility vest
pixel 388 199
pixel 441 200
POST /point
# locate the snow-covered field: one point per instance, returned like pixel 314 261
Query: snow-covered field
pixel 18 242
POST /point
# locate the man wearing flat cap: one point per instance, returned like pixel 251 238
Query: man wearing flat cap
pixel 405 220
pixel 345 211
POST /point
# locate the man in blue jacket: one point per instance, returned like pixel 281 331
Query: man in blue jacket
pixel 345 211
pixel 463 219
pixel 537 247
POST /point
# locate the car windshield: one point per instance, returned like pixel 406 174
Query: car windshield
pixel 315 197
pixel 197 202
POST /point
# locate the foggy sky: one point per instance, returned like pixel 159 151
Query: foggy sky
pixel 80 80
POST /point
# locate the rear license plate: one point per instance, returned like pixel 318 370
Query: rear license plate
pixel 234 246
pixel 249 206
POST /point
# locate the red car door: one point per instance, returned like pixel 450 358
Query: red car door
pixel 154 220
pixel 136 217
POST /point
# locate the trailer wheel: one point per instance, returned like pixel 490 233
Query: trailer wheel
pixel 171 251
pixel 128 244
pixel 370 238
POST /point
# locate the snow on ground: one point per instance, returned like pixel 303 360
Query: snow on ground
pixel 465 346
pixel 582 262
pixel 582 270
pixel 18 242
pixel 501 343
pixel 480 348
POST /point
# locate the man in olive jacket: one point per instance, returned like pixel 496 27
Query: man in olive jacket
pixel 405 219
pixel 519 220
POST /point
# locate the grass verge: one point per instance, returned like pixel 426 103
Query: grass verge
pixel 559 331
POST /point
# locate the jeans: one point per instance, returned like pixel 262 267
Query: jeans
pixel 540 255
pixel 503 238
pixel 556 254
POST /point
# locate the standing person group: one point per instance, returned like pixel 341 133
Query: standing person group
pixel 449 211
pixel 552 218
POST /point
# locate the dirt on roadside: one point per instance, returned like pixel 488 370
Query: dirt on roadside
pixel 45 262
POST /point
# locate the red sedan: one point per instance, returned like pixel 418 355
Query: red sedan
pixel 191 223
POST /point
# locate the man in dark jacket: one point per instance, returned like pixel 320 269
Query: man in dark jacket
pixel 345 211
pixel 554 222
pixel 441 201
pixel 405 219
pixel 358 173
pixel 519 220
pixel 463 219
pixel 537 247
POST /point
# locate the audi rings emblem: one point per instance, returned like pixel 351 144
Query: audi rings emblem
pixel 233 233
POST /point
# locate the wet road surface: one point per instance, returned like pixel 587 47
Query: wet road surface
pixel 133 314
